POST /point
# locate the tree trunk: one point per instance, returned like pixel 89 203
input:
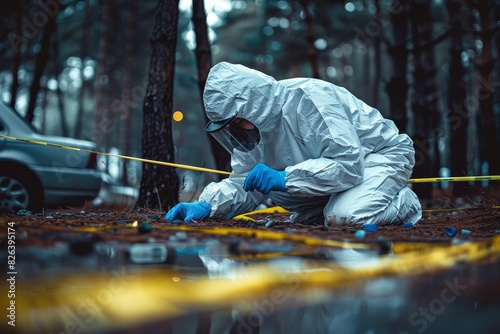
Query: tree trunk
pixel 101 82
pixel 457 115
pixel 424 102
pixel 490 139
pixel 313 53
pixel 112 92
pixel 204 63
pixel 127 87
pixel 83 89
pixel 496 75
pixel 203 53
pixel 397 87
pixel 160 185
pixel 43 123
pixel 16 59
pixel 60 95
pixel 41 61
pixel 378 62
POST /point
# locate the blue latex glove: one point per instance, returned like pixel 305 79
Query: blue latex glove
pixel 264 179
pixel 188 212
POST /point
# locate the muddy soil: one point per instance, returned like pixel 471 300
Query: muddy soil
pixel 80 241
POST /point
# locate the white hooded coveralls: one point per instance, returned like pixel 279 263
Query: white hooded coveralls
pixel 344 162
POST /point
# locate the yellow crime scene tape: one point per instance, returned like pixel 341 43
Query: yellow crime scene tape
pixel 156 162
pixel 208 170
pixel 147 295
pixel 455 179
pixel 241 232
pixel 396 248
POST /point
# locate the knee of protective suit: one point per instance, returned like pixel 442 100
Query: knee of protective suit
pixel 405 207
pixel 349 207
pixel 339 215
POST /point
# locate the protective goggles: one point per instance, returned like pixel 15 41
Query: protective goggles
pixel 232 136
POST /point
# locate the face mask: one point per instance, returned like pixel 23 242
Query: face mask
pixel 232 136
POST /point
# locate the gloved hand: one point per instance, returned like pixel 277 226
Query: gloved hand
pixel 188 211
pixel 264 179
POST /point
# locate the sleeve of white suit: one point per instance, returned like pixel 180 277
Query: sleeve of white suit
pixel 227 198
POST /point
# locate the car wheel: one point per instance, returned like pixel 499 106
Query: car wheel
pixel 19 191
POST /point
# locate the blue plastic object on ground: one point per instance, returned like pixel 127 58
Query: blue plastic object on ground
pixel 360 234
pixel 451 232
pixel 465 232
pixel 408 224
pixel 370 227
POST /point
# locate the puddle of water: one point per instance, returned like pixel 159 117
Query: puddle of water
pixel 463 299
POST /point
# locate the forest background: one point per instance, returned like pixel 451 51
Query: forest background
pixel 83 69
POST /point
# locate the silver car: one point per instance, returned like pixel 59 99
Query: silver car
pixel 34 177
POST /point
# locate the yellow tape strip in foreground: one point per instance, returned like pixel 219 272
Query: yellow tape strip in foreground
pixel 243 232
pixel 396 247
pixel 131 298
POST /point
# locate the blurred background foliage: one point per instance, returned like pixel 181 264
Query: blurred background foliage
pixel 430 65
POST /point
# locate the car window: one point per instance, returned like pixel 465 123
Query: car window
pixel 2 127
pixel 32 127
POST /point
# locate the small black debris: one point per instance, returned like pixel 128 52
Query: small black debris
pixel 83 244
pixel 144 227
pixel 385 246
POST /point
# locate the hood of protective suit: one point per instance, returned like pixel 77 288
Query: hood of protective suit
pixel 233 90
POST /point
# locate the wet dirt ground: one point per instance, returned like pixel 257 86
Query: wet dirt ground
pixel 464 298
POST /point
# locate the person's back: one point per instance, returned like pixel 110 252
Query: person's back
pixel 373 130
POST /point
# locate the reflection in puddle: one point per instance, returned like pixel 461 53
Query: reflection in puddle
pixel 186 285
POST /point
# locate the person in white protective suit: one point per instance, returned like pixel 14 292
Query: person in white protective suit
pixel 310 146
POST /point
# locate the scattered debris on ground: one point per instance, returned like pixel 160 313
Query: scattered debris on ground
pixel 89 248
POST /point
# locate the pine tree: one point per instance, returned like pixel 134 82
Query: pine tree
pixel 160 185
